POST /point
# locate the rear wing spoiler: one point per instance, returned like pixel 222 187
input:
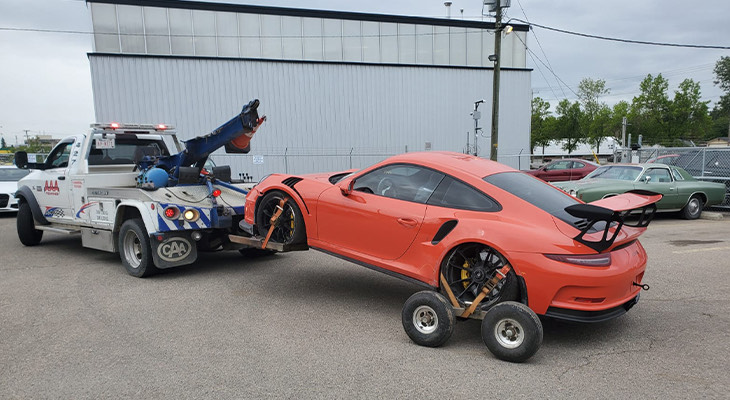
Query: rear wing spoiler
pixel 614 210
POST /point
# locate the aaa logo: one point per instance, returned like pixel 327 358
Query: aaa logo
pixel 51 187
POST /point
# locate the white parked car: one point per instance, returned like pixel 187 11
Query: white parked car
pixel 9 177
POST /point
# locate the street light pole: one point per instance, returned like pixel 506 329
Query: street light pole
pixel 495 87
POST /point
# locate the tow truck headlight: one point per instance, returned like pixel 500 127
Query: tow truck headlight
pixel 191 215
pixel 172 212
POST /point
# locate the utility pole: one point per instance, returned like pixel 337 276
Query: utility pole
pixel 27 139
pixel 495 88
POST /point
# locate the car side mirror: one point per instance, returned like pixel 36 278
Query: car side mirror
pixel 21 159
pixel 346 186
pixel 647 179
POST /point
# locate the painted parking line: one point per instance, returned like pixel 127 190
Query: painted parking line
pixel 702 249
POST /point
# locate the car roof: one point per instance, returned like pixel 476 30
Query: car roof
pixel 453 162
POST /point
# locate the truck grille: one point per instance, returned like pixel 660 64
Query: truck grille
pixel 4 200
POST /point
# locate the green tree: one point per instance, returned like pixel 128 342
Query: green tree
pixel 569 124
pixel 721 112
pixel 688 117
pixel 595 112
pixel 3 145
pixel 650 110
pixel 540 134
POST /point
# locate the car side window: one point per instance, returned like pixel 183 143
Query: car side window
pixel 658 175
pixel 400 181
pixel 578 165
pixel 677 176
pixel 452 193
pixel 558 165
pixel 59 156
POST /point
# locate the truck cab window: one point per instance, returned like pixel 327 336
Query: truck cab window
pixel 59 156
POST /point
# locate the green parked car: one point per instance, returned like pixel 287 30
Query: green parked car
pixel 681 191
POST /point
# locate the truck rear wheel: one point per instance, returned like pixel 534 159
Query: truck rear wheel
pixel 134 249
pixel 27 233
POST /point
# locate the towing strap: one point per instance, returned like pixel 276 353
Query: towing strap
pixel 274 218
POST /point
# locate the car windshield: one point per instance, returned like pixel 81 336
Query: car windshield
pixel 620 172
pixel 12 174
pixel 540 194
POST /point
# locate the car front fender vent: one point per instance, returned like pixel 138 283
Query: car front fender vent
pixel 444 230
pixel 291 181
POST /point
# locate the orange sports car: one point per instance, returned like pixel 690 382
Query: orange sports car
pixel 471 231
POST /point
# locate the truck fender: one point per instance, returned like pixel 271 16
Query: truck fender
pixel 133 209
pixel 25 194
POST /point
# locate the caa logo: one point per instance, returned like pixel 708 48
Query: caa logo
pixel 51 188
pixel 174 249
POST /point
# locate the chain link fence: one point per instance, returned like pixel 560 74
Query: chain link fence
pixel 704 163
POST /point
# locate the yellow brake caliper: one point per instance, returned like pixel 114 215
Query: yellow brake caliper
pixel 465 274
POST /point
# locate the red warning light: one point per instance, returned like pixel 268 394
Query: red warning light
pixel 161 127
pixel 114 125
pixel 216 192
pixel 170 212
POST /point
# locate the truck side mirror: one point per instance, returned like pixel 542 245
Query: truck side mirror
pixel 21 159
pixel 346 187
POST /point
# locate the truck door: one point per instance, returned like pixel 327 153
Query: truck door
pixel 53 191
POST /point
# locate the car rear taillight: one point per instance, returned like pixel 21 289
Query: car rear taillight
pixel 586 260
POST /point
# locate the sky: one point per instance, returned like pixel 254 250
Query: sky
pixel 45 81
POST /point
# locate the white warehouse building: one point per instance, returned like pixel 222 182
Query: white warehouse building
pixel 340 89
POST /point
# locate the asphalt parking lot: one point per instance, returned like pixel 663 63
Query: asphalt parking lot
pixel 305 325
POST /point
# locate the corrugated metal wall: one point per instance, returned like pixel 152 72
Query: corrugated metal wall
pixel 321 117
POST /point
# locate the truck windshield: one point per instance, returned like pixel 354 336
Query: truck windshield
pixel 124 150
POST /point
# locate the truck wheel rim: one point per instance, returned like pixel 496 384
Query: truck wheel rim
pixel 132 249
pixel 425 319
pixel 509 333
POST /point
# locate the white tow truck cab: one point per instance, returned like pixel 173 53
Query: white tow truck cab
pixel 90 184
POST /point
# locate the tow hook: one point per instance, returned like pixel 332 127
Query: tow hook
pixel 642 286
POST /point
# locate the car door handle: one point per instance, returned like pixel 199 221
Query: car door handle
pixel 61 178
pixel 407 222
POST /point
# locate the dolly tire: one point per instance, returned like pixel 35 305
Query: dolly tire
pixel 134 249
pixel 27 233
pixel 512 332
pixel 428 318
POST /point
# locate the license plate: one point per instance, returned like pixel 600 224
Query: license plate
pixel 107 143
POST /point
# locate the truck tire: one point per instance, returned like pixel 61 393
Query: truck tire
pixel 27 233
pixel 134 249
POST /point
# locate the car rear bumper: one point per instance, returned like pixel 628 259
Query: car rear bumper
pixel 591 316
pixel 579 293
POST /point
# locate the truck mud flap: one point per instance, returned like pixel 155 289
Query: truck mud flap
pixel 171 249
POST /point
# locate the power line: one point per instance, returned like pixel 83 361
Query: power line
pixel 692 46
pixel 542 50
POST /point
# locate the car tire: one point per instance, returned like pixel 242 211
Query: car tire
pixel 459 276
pixel 134 249
pixel 428 318
pixel 27 233
pixel 693 208
pixel 290 225
pixel 512 332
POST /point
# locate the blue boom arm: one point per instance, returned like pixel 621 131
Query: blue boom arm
pixel 198 149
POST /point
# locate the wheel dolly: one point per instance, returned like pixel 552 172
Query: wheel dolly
pixel 510 330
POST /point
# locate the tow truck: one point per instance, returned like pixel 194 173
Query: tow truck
pixel 138 191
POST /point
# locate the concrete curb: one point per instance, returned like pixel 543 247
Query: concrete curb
pixel 714 216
